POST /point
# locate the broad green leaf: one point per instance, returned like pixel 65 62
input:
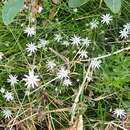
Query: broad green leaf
pixel 114 5
pixel 77 3
pixel 11 9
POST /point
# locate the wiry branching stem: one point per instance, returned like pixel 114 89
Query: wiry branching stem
pixel 110 54
pixel 85 79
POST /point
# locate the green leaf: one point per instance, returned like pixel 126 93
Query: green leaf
pixel 47 5
pixel 114 5
pixel 127 103
pixel 10 10
pixel 128 94
pixel 77 3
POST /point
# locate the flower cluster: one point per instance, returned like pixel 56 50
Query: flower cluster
pixel 31 81
pixel 63 74
pixel 32 48
pixel 105 19
pixel 79 46
pixel 125 31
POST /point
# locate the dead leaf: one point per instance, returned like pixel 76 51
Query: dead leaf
pixel 26 2
pixel 126 123
pixel 34 8
pixel 55 2
pixel 78 124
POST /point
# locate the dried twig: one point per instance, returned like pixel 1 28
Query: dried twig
pixel 118 126
pixel 35 114
pixel 59 55
pixel 78 95
pixel 108 55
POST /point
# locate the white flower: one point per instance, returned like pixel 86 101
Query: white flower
pixel 42 43
pixel 119 113
pixel 76 40
pixel 4 1
pixel 58 91
pixel 8 96
pixel 87 24
pixel 51 64
pixel 63 73
pixel 124 33
pixel 32 19
pixel 27 92
pixel 89 78
pixel 86 41
pixel 1 55
pixel 31 48
pixel 31 79
pixel 127 27
pixel 57 37
pixel 2 90
pixel 25 6
pixel 7 113
pixel 66 43
pixel 95 64
pixel 12 80
pixel 75 10
pixel 107 18
pixel 30 31
pixel 67 82
pixel 94 24
pixel 57 20
pixel 40 9
pixel 83 54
